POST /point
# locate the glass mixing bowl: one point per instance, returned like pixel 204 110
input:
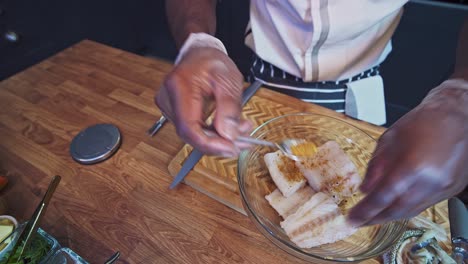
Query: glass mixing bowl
pixel 255 182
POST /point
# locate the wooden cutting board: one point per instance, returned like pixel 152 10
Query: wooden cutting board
pixel 217 177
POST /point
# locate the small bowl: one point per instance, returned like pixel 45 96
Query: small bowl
pixel 255 182
pixel 15 225
pixel 10 218
pixel 19 228
pixel 66 256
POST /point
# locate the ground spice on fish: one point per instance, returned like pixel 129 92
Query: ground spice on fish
pixel 335 185
pixel 289 169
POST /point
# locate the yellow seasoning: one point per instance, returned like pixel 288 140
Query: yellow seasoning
pixel 306 149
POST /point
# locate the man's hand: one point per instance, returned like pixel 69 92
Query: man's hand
pixel 419 161
pixel 204 75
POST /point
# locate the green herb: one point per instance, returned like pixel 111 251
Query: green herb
pixel 35 252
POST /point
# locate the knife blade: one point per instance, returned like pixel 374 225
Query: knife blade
pixel 458 218
pixel 196 155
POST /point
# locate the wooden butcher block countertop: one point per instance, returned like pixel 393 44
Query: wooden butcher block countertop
pixel 124 202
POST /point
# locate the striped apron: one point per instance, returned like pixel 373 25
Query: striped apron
pixel 329 94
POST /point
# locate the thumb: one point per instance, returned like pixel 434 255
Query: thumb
pixel 228 109
pixel 379 165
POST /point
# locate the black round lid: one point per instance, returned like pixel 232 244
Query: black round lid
pixel 96 143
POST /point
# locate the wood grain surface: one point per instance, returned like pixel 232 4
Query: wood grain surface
pixel 217 176
pixel 124 202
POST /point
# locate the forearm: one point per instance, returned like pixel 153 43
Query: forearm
pixel 188 16
pixel 461 61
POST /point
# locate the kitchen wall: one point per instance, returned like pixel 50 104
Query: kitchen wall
pixel 32 30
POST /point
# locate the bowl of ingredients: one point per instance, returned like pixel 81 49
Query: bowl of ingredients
pixel 302 206
pixel 40 249
pixel 8 224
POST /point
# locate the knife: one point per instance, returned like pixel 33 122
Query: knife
pixel 196 155
pixel 458 217
pixel 156 126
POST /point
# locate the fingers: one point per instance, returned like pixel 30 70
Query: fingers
pixel 383 195
pixel 416 165
pixel 208 143
pixel 190 127
pixel 407 205
pixel 203 75
pixel 162 100
pixel 183 105
pixel 245 128
pixel 377 183
pixel 227 94
pixel 379 164
pixel 375 170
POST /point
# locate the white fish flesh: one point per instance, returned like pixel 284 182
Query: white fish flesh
pixel 319 221
pixel 284 172
pixel 331 171
pixel 286 206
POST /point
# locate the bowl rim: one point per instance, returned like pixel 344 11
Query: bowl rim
pixel 311 114
pixel 16 225
pixel 265 229
pixel 11 218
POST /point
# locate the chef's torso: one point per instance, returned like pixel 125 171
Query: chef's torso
pixel 322 40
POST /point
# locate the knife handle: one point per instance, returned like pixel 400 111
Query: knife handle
pixel 196 155
pixel 156 126
pixel 459 249
pixel 458 217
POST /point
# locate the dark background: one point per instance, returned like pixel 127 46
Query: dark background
pixel 423 46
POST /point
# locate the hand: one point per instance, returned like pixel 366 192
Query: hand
pixel 204 75
pixel 419 161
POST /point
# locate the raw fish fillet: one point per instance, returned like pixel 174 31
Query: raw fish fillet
pixel 286 206
pixel 284 172
pixel 319 221
pixel 331 171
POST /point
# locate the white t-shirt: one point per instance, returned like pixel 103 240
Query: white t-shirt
pixel 322 40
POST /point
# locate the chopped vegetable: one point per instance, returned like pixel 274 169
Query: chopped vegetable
pixel 6 228
pixel 3 182
pixel 35 252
